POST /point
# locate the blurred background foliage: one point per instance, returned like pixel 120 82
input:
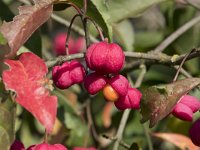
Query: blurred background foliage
pixel 137 25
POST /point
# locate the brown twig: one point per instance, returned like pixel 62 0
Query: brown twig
pixel 122 143
pixel 68 33
pixel 180 66
pixel 97 28
pixel 77 8
pixel 85 6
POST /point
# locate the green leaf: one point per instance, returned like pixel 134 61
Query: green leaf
pixel 79 131
pixel 124 34
pixel 158 101
pixel 68 115
pixel 7 119
pixel 122 9
pixel 3 41
pixel 107 12
pixel 98 12
pixel 142 39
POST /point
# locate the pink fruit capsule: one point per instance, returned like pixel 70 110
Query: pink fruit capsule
pixel 105 58
pixel 46 146
pixel 94 83
pixel 194 132
pixel 74 46
pixel 67 74
pixel 17 145
pixel 130 101
pixel 120 84
pixel 183 112
pixel 191 101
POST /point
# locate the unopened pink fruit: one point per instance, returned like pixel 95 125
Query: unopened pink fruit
pixel 74 46
pixel 105 58
pixel 130 101
pixel 84 148
pixel 94 83
pixel 46 146
pixel 183 112
pixel 67 74
pixel 17 145
pixel 32 147
pixel 191 101
pixel 194 132
pixel 77 72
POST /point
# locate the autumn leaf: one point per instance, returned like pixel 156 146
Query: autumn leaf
pixel 181 141
pixel 26 77
pixel 158 101
pixel 23 25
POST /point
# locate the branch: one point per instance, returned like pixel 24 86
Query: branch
pixel 176 34
pixel 151 56
pixel 149 59
pixel 121 128
pixel 171 60
pixel 126 113
pixel 62 59
pixel 122 143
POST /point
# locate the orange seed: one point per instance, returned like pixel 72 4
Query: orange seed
pixel 110 94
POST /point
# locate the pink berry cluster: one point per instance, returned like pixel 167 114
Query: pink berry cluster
pixel 186 107
pixel 67 74
pixel 108 59
pixel 17 145
pixel 105 61
pixel 74 46
pixel 46 146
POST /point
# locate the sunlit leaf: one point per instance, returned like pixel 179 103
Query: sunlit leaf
pixel 26 77
pixel 181 141
pixel 122 9
pixel 124 34
pixel 158 101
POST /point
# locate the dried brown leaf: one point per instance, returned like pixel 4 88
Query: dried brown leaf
pixel 158 101
pixel 181 141
pixel 23 25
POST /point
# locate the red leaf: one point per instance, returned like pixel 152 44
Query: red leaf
pixel 181 141
pixel 26 77
pixel 23 25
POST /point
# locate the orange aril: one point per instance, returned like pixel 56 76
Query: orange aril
pixel 110 94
